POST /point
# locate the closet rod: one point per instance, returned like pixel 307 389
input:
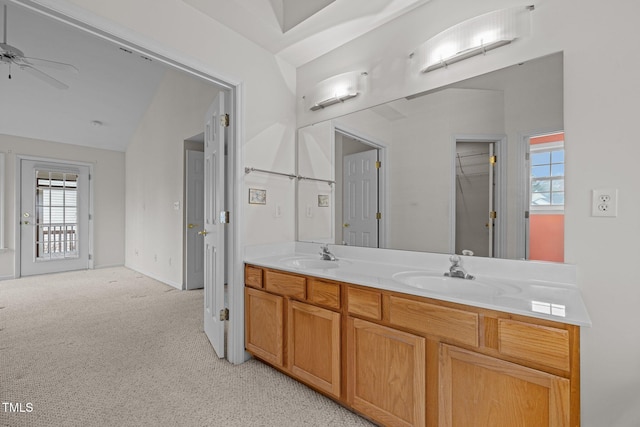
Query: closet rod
pixel 288 175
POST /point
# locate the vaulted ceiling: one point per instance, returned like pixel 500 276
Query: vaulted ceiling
pixel 107 98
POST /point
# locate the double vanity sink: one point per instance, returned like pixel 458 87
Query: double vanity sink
pixel 548 296
pixel 494 340
pixel 431 281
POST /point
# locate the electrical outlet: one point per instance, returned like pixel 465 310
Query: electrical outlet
pixel 604 203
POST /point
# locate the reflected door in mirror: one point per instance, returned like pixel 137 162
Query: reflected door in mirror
pixel 360 180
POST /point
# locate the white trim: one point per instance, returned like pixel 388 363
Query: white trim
pixel 524 188
pixel 71 14
pixel 3 192
pixel 236 353
pixel 500 236
pixel 155 277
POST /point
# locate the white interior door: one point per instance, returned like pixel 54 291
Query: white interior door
pixel 213 230
pixel 195 220
pixel 360 205
pixel 54 217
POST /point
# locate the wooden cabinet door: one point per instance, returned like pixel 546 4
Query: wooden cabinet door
pixel 478 390
pixel 314 346
pixel 264 325
pixel 386 373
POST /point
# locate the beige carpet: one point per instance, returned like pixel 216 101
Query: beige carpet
pixel 112 347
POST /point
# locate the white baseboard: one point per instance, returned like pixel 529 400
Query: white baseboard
pixel 155 277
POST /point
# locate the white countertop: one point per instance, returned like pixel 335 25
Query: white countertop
pixel 541 290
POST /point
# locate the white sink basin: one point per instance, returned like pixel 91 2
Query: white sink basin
pixel 441 284
pixel 313 263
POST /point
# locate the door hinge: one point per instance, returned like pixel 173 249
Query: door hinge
pixel 90 256
pixel 378 164
pixel 224 314
pixel 378 215
pixel 526 214
pixel 526 156
pixel 493 214
pixel 493 159
pixel 224 120
pixel 224 217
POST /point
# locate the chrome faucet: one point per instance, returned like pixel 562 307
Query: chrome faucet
pixel 326 254
pixel 456 270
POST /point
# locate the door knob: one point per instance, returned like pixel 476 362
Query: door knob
pixel 345 225
pixel 203 232
pixel 192 225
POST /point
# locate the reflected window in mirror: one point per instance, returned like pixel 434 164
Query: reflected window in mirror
pixel 546 201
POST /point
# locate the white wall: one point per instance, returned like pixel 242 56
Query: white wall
pixel 182 33
pixel 601 64
pixel 108 194
pixel 155 176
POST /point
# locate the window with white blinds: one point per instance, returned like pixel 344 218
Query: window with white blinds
pixel 56 215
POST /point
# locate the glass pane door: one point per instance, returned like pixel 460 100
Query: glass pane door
pixel 56 234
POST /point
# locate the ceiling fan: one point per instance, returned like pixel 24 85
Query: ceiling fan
pixel 13 56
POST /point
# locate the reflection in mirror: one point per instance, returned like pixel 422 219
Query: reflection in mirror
pixel 437 188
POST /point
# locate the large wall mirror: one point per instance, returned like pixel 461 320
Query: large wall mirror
pixel 476 167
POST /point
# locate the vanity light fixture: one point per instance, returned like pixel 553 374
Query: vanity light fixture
pixel 473 37
pixel 336 89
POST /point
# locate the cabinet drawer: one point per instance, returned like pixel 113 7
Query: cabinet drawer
pixel 286 284
pixel 323 293
pixel 448 323
pixel 253 276
pixel 535 343
pixel 365 303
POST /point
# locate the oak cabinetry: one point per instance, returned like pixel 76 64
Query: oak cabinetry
pixel 285 284
pixel 454 324
pixel 386 373
pixel 322 292
pixel 405 360
pixel 479 390
pixel 264 325
pixel 286 326
pixel 365 303
pixel 314 346
pixel 253 276
pixel 534 343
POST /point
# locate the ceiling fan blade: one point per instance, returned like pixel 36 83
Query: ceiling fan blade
pixel 50 64
pixel 44 77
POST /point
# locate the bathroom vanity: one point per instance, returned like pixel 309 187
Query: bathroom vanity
pixel 406 346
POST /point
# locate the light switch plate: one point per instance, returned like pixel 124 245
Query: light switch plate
pixel 604 203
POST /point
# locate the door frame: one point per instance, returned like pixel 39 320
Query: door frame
pixel 500 198
pixel 17 205
pixel 383 174
pixel 69 13
pixel 524 184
